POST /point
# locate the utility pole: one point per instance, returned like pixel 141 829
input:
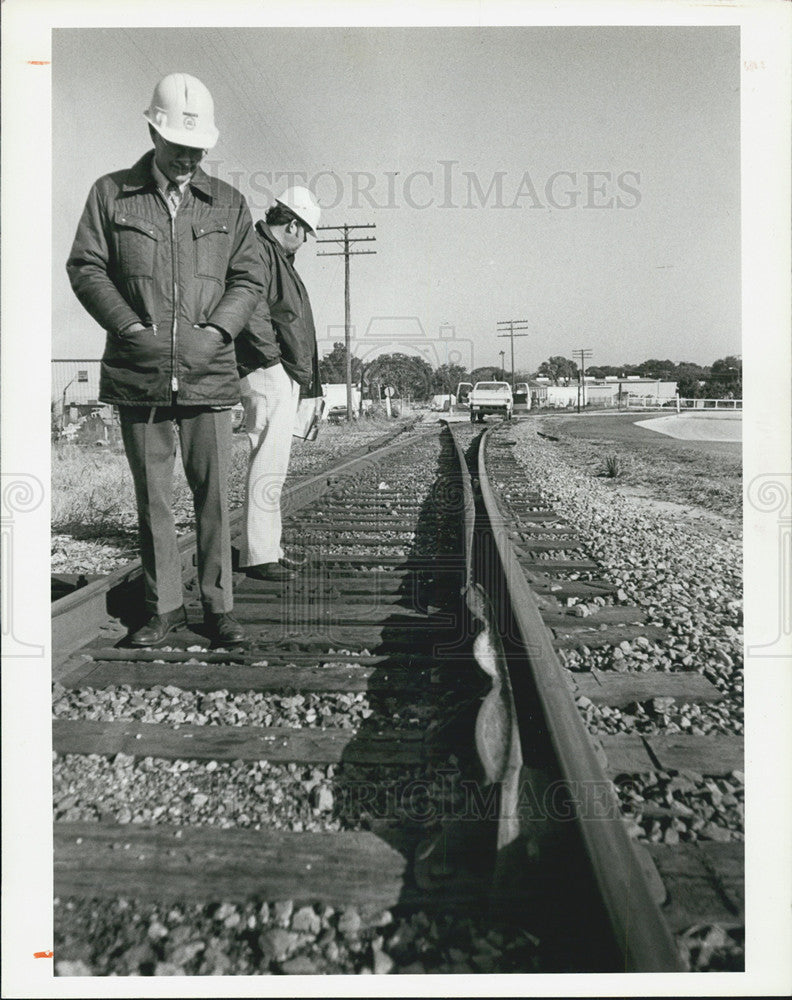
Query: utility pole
pixel 583 354
pixel 345 240
pixel 81 376
pixel 508 328
pixel 503 355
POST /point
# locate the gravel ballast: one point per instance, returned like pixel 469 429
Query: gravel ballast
pixel 173 706
pixel 259 937
pixel 682 566
pixel 685 572
pixel 137 937
pixel 254 795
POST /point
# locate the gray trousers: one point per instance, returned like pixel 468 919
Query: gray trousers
pixel 149 435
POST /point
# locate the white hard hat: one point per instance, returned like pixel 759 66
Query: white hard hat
pixel 182 111
pixel 302 203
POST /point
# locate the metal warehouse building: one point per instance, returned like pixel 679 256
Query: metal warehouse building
pixel 75 382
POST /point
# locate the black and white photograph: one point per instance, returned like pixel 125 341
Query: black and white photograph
pixel 426 615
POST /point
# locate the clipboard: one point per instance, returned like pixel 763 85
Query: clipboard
pixel 310 408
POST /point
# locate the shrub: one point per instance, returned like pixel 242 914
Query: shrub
pixel 614 465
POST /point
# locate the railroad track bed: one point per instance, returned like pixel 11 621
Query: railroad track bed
pixel 95 529
pixel 275 808
pixel 644 613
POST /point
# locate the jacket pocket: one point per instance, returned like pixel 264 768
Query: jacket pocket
pixel 206 351
pixel 212 242
pixel 137 245
pixel 141 351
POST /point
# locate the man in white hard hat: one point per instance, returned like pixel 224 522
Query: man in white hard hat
pixel 277 359
pixel 165 260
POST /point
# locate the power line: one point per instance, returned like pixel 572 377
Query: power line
pixel 334 271
pixel 345 240
pixel 237 96
pixel 260 63
pixel 127 33
pixel 254 99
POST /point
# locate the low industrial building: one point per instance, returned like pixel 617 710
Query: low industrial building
pixel 612 391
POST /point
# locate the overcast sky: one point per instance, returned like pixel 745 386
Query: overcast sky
pixel 585 179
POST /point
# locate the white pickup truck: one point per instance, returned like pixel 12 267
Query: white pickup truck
pixel 490 397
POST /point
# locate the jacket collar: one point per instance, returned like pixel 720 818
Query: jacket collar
pixel 140 176
pixel 266 233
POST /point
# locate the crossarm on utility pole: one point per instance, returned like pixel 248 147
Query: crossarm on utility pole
pixel 509 328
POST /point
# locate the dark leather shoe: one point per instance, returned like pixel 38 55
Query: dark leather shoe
pixel 157 628
pixel 269 571
pixel 294 562
pixel 223 627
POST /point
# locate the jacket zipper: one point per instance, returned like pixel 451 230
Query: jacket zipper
pixel 174 377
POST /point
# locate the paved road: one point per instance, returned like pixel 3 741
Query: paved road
pixel 722 426
pixel 716 432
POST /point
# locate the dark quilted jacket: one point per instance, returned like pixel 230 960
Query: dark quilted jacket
pixel 131 263
pixel 282 325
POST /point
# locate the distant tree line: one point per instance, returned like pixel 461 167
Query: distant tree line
pixel 412 377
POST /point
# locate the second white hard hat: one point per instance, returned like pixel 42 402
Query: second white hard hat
pixel 182 111
pixel 302 203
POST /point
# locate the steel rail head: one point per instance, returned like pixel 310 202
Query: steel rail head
pixel 636 921
pixel 497 736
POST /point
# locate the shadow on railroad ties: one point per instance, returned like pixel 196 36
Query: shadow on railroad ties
pixel 432 803
pixel 403 771
pixel 538 875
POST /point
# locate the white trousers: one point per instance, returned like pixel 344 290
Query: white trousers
pixel 270 397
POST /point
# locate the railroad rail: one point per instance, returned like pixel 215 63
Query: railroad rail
pixel 416 622
pixel 652 889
